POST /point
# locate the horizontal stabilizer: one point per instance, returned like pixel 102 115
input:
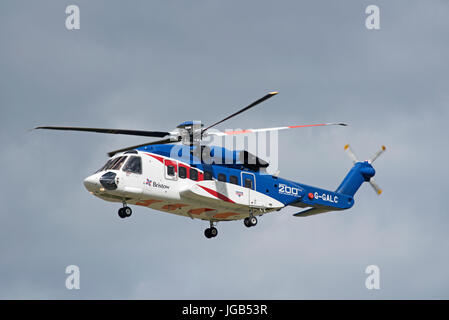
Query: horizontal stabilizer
pixel 311 212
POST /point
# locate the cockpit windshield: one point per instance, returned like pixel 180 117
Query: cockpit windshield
pixel 134 165
pixel 113 164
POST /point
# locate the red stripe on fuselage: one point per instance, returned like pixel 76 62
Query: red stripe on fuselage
pixel 170 161
pixel 155 157
pixel 216 194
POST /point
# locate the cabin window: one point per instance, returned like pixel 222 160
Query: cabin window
pixel 134 165
pixel 171 170
pixel 248 183
pixel 233 180
pixel 207 175
pixel 222 177
pixel 193 173
pixel 182 172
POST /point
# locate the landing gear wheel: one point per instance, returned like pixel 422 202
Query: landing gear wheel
pixel 124 212
pixel 250 221
pixel 213 232
pixel 127 211
pixel 253 221
pixel 121 213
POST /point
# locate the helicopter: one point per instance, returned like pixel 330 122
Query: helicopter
pixel 180 175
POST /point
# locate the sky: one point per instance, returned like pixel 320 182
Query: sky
pixel 151 65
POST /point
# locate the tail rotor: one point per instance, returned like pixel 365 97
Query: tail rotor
pixel 353 157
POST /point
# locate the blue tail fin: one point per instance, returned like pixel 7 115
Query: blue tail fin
pixel 360 172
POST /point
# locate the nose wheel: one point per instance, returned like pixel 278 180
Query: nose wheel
pixel 211 232
pixel 125 212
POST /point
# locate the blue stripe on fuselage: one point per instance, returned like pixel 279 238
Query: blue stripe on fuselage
pixel 285 191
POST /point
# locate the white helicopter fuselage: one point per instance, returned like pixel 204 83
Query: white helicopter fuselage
pixel 161 183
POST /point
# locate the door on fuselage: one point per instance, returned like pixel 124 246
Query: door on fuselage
pixel 248 180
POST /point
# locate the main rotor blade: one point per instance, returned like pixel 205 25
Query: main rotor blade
pixel 164 141
pixel 273 129
pixel 157 134
pixel 267 96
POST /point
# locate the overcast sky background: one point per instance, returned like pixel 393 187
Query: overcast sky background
pixel 152 65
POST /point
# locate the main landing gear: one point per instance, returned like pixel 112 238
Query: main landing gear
pixel 211 232
pixel 124 212
pixel 250 221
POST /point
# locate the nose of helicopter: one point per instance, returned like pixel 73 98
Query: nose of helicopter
pixel 92 183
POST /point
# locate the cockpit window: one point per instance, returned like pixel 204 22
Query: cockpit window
pixel 133 165
pixel 117 163
pixel 102 168
pixel 113 164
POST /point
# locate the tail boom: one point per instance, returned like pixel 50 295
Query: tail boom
pixel 360 172
pixel 322 201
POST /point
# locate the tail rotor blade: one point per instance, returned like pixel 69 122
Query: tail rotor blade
pixel 375 186
pixel 351 154
pixel 377 154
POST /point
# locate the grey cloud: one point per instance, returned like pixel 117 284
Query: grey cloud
pixel 153 65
